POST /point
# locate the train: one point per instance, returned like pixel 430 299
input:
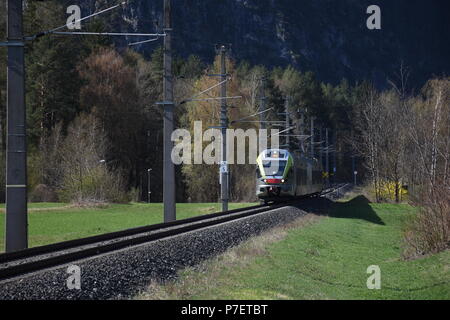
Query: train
pixel 281 174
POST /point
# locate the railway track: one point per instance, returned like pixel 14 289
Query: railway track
pixel 38 258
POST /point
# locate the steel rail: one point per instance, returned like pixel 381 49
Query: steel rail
pixel 46 249
pixel 121 239
pixel 60 257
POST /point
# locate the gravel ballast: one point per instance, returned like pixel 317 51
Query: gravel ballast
pixel 124 273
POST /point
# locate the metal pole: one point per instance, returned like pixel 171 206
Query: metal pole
pixel 327 165
pixel 334 156
pixel 262 107
pixel 169 168
pixel 16 158
pixel 286 110
pixel 224 125
pixel 320 148
pixel 302 132
pixel 312 137
pixel 148 184
pixel 353 162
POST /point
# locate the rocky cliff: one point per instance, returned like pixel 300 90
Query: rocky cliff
pixel 329 37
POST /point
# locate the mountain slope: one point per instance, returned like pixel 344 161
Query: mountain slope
pixel 328 37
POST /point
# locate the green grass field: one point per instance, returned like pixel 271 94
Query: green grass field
pixel 327 259
pixel 55 222
pixel 40 205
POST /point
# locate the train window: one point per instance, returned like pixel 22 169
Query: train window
pixel 274 168
pixel 275 154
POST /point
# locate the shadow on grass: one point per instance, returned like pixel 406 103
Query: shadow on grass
pixel 357 208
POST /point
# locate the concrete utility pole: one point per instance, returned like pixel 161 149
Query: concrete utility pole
pixel 224 125
pixel 16 149
pixel 169 168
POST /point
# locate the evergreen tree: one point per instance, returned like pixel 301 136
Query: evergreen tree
pixel 52 80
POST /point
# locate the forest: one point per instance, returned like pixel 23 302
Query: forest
pixel 95 128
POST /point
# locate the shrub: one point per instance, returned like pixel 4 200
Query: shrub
pixel 85 174
pixel 94 185
pixel 43 193
pixel 134 195
pixel 429 231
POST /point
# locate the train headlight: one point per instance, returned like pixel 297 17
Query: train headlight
pixel 282 180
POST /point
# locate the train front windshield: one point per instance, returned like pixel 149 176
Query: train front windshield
pixel 274 167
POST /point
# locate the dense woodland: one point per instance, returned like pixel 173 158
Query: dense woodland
pixel 72 80
pixel 94 127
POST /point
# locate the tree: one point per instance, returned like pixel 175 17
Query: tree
pixel 428 172
pixel 305 98
pixel 367 141
pixel 85 174
pixel 52 82
pixel 394 140
pixel 111 94
pixel 200 178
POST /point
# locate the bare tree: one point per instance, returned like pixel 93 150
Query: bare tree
pixel 368 123
pixel 429 152
pixel 394 140
pixel 86 176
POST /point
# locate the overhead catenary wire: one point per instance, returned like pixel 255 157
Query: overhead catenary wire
pixel 258 121
pixel 126 34
pixel 302 136
pixel 123 34
pixel 193 87
pixel 16 226
pixel 143 41
pixel 209 99
pixel 204 91
pixel 54 30
pixel 278 133
pixel 253 115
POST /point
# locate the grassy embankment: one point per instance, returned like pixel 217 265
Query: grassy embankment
pixel 319 258
pixel 55 222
